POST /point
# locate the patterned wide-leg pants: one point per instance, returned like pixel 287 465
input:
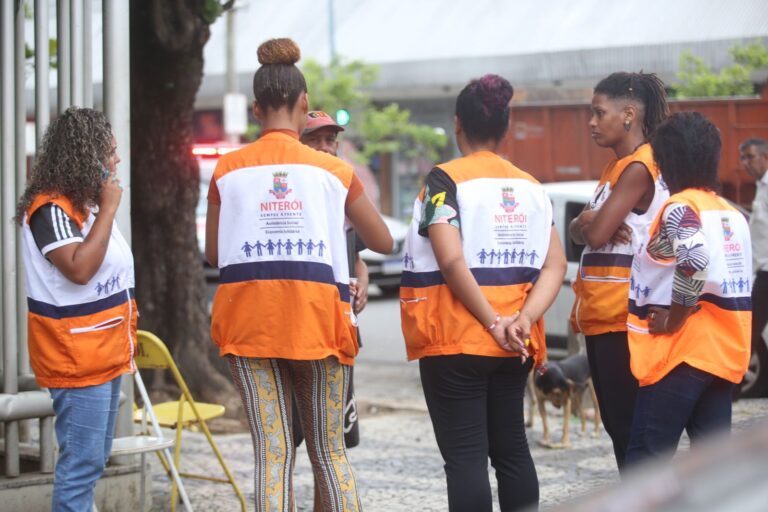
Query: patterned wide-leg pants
pixel 267 388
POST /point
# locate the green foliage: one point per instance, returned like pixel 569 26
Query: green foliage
pixel 210 10
pixel 379 130
pixel 698 80
pixel 53 47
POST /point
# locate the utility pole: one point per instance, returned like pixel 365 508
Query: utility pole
pixel 331 31
pixel 235 104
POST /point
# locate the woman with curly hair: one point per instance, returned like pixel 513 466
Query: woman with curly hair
pixel 79 278
pixel 282 312
pixel 690 335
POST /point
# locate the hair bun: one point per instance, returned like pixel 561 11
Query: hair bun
pixel 495 91
pixel 279 51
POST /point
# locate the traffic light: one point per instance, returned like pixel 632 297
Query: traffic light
pixel 342 117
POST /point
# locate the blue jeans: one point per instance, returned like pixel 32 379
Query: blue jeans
pixel 85 426
pixel 685 399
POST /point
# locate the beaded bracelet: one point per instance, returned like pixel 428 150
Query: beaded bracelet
pixel 494 324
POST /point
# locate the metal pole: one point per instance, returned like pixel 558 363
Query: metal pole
pixel 230 65
pixel 230 57
pixel 63 55
pixel 117 106
pixel 21 180
pixel 332 31
pixel 88 53
pixel 46 444
pixel 7 227
pixel 117 101
pixel 42 118
pixel 42 71
pixel 76 48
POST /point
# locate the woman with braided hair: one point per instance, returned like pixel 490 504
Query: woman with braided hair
pixel 626 109
pixel 284 320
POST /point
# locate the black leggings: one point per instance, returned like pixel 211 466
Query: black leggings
pixel 615 386
pixel 476 407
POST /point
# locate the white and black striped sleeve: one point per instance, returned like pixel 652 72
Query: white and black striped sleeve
pixel 52 228
pixel 683 238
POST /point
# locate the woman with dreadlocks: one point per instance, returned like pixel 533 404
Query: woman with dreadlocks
pixel 626 109
pixel 79 277
pixel 282 314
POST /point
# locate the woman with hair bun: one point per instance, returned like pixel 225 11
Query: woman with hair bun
pixel 483 265
pixel 626 109
pixel 281 314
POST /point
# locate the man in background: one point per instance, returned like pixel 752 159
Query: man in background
pixel 754 160
pixel 321 133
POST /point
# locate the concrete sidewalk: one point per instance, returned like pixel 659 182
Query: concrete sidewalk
pixel 397 464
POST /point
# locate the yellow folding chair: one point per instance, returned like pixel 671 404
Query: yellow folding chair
pixel 152 353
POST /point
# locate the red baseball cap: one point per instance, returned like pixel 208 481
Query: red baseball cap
pixel 319 119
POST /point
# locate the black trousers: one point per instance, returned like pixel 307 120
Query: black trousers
pixel 476 407
pixel 615 386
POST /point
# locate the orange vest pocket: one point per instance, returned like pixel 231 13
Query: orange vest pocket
pixel 97 345
pixel 417 322
pixel 50 347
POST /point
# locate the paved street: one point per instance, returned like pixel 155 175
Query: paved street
pixel 397 464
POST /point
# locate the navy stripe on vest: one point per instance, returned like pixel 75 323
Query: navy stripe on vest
pixel 503 276
pixel 89 308
pixel 292 270
pixel 726 303
pixel 601 259
pixel 642 311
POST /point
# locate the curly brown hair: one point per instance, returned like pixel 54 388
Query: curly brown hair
pixel 70 160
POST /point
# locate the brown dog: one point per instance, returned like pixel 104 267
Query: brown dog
pixel 563 385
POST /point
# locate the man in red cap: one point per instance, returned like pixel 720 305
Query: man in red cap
pixel 321 133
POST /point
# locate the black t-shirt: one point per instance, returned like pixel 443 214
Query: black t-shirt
pixel 52 228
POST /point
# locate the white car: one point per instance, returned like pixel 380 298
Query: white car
pixel 385 270
pixel 568 200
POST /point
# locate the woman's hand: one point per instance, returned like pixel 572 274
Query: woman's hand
pixel 111 193
pixel 622 236
pixel 361 286
pixel 669 321
pixel 518 334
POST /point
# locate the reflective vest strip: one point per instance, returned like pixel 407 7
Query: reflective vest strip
pixel 503 276
pixel 90 308
pixel 274 270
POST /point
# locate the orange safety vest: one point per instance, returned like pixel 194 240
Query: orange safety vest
pixel 716 339
pixel 284 286
pixel 602 283
pixel 79 335
pixel 506 222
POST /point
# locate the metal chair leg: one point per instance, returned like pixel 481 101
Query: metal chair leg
pixel 159 433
